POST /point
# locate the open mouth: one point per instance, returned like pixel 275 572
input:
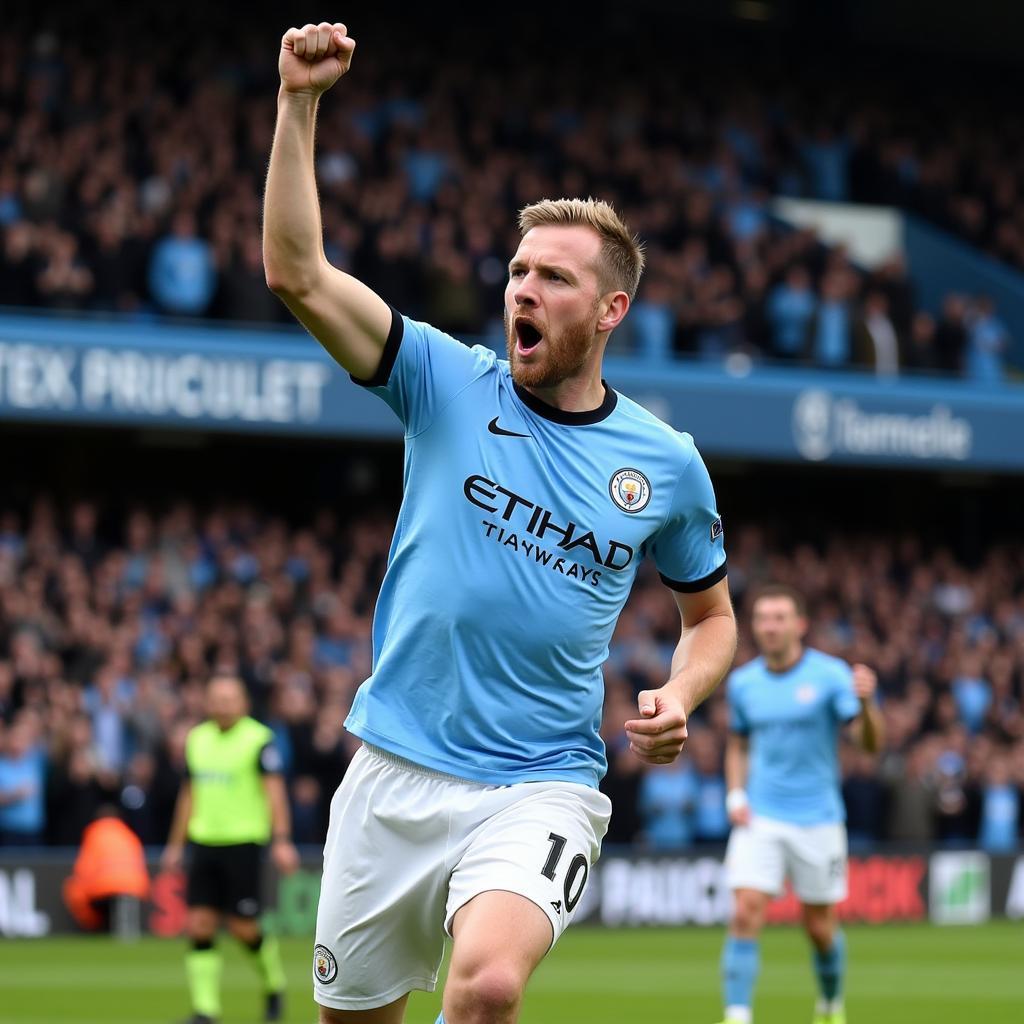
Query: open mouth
pixel 528 335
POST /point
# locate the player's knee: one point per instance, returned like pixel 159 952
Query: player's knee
pixel 246 930
pixel 748 916
pixel 202 934
pixel 487 993
pixel 820 931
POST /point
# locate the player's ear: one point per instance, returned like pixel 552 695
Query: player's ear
pixel 612 308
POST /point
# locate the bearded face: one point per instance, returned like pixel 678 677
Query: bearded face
pixel 542 356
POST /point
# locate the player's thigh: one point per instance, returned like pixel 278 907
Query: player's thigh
pixel 755 857
pixel 816 856
pixel 499 938
pixel 536 840
pixel 393 1013
pixel 379 928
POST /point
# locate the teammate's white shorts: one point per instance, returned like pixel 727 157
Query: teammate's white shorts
pixel 760 855
pixel 407 847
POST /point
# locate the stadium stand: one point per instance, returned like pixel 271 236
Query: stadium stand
pixel 110 637
pixel 135 188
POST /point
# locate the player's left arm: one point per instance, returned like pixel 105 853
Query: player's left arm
pixel 867 729
pixel 701 659
pixel 282 849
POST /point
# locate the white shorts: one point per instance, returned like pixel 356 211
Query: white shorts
pixel 407 847
pixel 760 855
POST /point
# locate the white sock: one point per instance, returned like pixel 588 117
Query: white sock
pixel 740 1014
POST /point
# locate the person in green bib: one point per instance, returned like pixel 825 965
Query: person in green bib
pixel 231 806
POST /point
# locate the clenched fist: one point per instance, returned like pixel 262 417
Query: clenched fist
pixel 314 57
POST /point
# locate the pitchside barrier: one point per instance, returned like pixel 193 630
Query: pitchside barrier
pixel 945 887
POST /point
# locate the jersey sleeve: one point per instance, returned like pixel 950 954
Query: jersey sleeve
pixel 737 718
pixel 270 761
pixel 845 703
pixel 689 550
pixel 422 369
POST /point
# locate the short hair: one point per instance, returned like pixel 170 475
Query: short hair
pixel 782 590
pixel 622 253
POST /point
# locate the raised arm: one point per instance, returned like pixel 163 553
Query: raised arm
pixel 350 320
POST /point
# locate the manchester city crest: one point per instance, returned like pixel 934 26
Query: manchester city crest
pixel 630 490
pixel 325 967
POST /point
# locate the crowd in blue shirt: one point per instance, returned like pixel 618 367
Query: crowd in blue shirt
pixel 153 208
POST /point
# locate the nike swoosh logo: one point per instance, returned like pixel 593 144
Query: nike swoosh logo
pixel 501 431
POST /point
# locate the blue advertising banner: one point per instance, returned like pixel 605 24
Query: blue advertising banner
pixel 199 378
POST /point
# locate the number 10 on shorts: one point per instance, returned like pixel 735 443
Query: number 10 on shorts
pixel 576 873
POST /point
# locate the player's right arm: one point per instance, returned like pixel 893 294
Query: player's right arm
pixel 737 760
pixel 350 320
pixel 174 851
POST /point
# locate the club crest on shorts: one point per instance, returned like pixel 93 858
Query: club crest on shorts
pixel 325 967
pixel 630 490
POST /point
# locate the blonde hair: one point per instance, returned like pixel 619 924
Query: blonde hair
pixel 622 253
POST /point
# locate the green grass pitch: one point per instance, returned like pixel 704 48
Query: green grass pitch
pixel 899 974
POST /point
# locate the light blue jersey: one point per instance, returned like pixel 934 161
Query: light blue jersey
pixel 793 720
pixel 518 539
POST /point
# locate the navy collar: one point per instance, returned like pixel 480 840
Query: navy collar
pixel 569 419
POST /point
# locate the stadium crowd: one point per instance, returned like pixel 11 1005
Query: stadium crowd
pixel 135 186
pixel 108 633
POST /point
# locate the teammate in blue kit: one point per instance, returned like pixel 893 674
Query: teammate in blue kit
pixel 787 709
pixel 532 493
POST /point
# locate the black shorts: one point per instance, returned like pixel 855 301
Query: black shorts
pixel 228 878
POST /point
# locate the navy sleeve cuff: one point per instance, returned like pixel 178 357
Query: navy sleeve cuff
pixel 387 357
pixel 696 586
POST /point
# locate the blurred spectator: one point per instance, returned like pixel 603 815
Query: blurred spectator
pixel 64 281
pixel 877 344
pixel 668 798
pixel 986 343
pixel 951 335
pixel 1000 807
pixel 972 693
pixel 182 277
pixel 22 785
pixel 651 320
pixel 911 797
pixel 20 266
pixel 957 797
pixel 108 703
pixel 864 798
pixel 790 311
pixel 826 156
pixel 921 354
pixel 831 332
pixel 244 294
pixel 710 820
